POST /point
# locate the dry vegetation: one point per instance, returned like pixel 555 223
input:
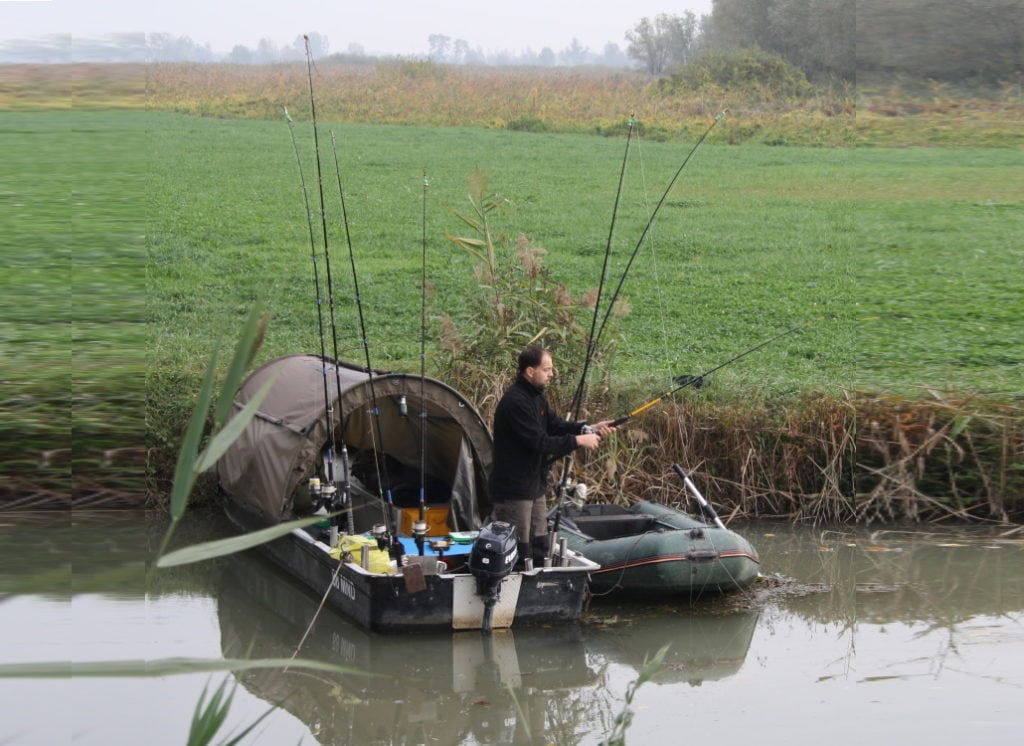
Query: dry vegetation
pixel 594 100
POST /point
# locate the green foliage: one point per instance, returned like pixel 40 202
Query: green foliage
pixel 191 461
pixel 528 124
pixel 907 251
pixel 817 37
pixel 664 43
pixel 759 73
pixel 210 715
pixel 977 42
pixel 517 302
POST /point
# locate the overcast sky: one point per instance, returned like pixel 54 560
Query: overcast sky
pixel 389 26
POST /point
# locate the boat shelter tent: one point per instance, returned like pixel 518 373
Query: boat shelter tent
pixel 401 431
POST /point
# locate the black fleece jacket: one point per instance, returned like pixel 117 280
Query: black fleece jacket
pixel 528 437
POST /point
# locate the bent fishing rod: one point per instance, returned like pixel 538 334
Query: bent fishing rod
pixel 650 222
pixel 595 338
pixel 577 397
pixel 698 380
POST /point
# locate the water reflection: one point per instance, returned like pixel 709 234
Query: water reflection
pixel 706 643
pixel 859 627
pixel 510 687
pixel 937 577
pixel 449 688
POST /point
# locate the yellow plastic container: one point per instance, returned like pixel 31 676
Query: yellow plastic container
pixel 380 561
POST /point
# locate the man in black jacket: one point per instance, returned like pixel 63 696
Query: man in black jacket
pixel 528 437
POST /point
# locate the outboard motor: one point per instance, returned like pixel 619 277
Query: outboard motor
pixel 494 554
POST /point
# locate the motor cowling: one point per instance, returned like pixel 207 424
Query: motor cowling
pixel 495 551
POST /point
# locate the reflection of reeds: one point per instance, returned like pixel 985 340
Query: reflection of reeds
pixel 859 458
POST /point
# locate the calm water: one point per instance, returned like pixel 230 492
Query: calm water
pixel 913 634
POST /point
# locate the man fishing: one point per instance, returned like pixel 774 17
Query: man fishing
pixel 528 437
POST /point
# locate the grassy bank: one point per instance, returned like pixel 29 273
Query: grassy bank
pixel 910 258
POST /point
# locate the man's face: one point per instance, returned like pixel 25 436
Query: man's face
pixel 541 375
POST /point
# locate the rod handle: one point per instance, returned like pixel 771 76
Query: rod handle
pixel 621 421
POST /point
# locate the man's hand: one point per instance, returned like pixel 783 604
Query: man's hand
pixel 590 441
pixel 604 427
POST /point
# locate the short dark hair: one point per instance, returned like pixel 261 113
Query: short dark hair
pixel 530 357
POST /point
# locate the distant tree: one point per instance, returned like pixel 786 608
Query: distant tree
pixel 460 51
pixel 319 45
pixel 818 36
pixel 50 48
pixel 973 40
pixel 356 50
pixel 439 45
pixel 474 56
pixel 266 51
pixel 613 56
pixel 664 43
pixel 547 57
pixel 575 53
pixel 240 55
pixel 167 48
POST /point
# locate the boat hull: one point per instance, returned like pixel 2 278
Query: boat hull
pixel 443 601
pixel 652 549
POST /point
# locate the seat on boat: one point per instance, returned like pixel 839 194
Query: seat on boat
pixel 613 525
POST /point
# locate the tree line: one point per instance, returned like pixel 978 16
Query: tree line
pixel 972 41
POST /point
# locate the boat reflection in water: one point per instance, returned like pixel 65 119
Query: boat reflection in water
pixel 435 688
pixel 515 686
pixel 705 644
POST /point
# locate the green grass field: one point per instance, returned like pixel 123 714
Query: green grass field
pixel 912 256
pixel 171 227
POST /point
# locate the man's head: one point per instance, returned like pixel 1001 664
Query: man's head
pixel 535 366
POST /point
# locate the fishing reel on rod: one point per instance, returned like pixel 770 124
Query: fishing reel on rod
pixel 328 494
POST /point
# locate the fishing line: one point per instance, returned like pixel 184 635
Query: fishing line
pixel 328 409
pixel 331 450
pixel 658 289
pixel 577 399
pixel 650 222
pixel 698 380
pixel 376 434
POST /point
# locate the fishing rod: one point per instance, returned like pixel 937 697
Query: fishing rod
pixel 698 381
pixel 388 505
pixel 332 479
pixel 420 528
pixel 577 397
pixel 594 339
pixel 328 409
pixel 654 213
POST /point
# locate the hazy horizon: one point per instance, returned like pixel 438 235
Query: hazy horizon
pixel 399 27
